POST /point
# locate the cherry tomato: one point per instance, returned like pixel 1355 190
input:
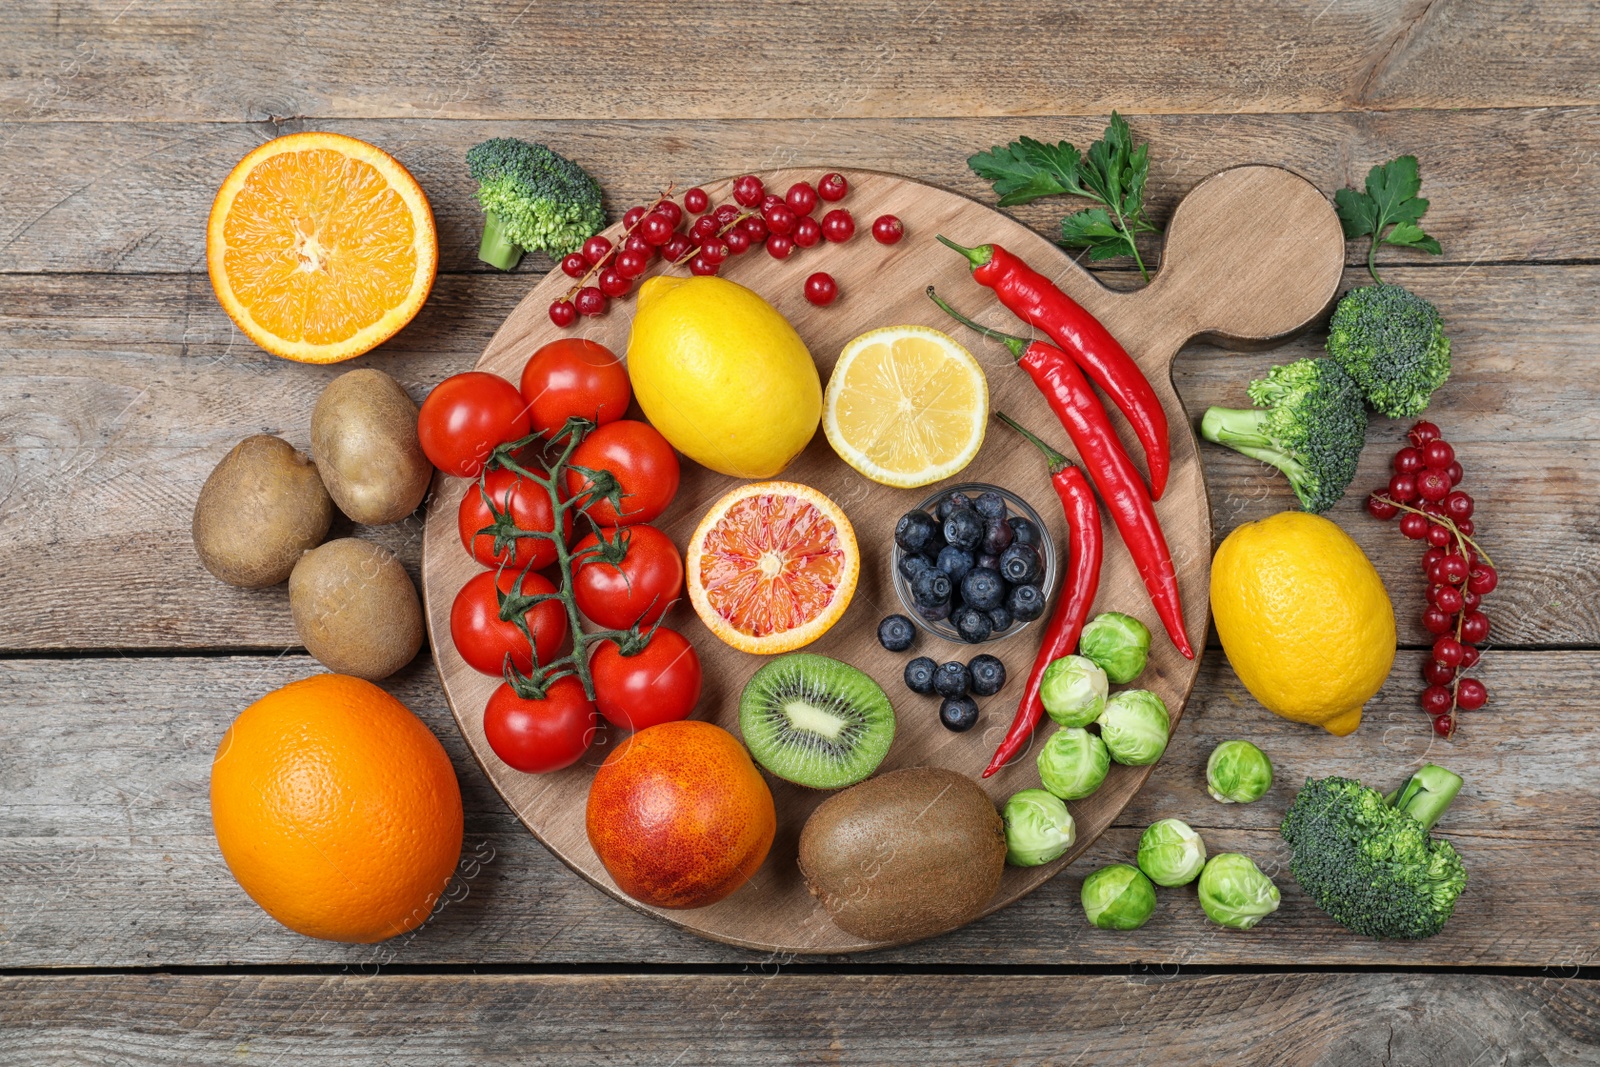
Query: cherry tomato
pixel 537 736
pixel 529 506
pixel 644 464
pixel 574 376
pixel 484 639
pixel 659 684
pixel 465 417
pixel 639 589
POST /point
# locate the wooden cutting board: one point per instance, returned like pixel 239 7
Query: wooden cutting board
pixel 1253 255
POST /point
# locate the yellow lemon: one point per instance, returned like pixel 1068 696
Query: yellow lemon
pixel 723 375
pixel 1304 618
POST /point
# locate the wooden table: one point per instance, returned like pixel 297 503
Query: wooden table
pixel 124 940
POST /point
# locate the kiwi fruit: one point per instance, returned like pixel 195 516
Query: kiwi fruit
pixel 355 608
pixel 905 855
pixel 364 440
pixel 816 721
pixel 260 508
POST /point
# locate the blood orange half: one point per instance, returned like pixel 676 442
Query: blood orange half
pixel 772 566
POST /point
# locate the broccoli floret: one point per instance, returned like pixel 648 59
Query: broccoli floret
pixel 1308 422
pixel 533 200
pixel 1369 862
pixel 1393 344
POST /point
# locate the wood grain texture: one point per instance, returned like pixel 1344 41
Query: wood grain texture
pixel 107 857
pixel 133 197
pixel 760 1018
pixel 186 61
pixel 123 392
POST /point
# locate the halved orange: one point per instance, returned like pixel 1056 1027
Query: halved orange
pixel 772 566
pixel 320 247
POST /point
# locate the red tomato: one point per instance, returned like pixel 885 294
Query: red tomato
pixel 536 736
pixel 574 376
pixel 484 639
pixel 659 684
pixel 465 417
pixel 639 589
pixel 529 506
pixel 644 464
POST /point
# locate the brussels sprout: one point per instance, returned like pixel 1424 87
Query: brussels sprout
pixel 1235 893
pixel 1073 690
pixel 1118 897
pixel 1135 726
pixel 1038 828
pixel 1119 643
pixel 1073 763
pixel 1171 853
pixel 1238 772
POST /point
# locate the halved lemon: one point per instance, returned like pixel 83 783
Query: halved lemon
pixel 320 247
pixel 772 566
pixel 906 406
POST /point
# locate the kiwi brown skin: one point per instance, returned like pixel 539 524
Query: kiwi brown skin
pixel 905 855
pixel 364 440
pixel 355 608
pixel 260 508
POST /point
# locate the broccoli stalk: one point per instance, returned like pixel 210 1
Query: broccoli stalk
pixel 1308 423
pixel 1426 794
pixel 533 200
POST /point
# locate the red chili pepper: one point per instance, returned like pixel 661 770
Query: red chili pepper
pixel 1081 413
pixel 1034 299
pixel 1077 593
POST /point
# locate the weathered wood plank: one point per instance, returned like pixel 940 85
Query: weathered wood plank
pixel 122 393
pixel 107 856
pixel 133 197
pixel 759 1017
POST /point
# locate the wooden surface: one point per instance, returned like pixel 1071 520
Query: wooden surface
pixel 122 938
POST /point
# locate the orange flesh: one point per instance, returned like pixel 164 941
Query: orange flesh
pixel 771 564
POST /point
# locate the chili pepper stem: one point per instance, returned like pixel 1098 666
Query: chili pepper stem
pixel 1057 461
pixel 1017 345
pixel 978 257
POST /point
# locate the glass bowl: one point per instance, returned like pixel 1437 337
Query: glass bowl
pixel 1015 505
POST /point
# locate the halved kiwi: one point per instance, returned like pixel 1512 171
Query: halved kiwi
pixel 816 721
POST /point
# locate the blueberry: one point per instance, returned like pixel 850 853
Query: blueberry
pixel 911 564
pixel 958 713
pixel 913 530
pixel 919 675
pixel 1024 530
pixel 988 675
pixel 896 633
pixel 1000 618
pixel 931 588
pixel 973 625
pixel 951 679
pixel 991 505
pixel 988 562
pixel 982 589
pixel 997 536
pixel 954 562
pixel 934 612
pixel 964 529
pixel 1020 565
pixel 950 502
pixel 1025 602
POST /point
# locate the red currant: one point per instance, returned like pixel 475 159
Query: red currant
pixel 1454 568
pixel 677 246
pixel 631 263
pixel 771 200
pixel 1438 673
pixel 1438 454
pixel 1434 509
pixel 725 214
pixel 779 245
pixel 612 283
pixel 1466 526
pixel 1429 558
pixel 737 240
pixel 670 210
pixel 1439 535
pixel 1444 725
pixel 590 301
pixel 887 230
pixel 715 252
pixel 637 243
pixel 704 229
pixel 1469 655
pixel 832 186
pixel 807 231
pixel 655 228
pixel 631 218
pixel 838 225
pixel 1436 621
pixel 1379 506
pixel 756 227
pixel 1403 488
pixel 821 289
pixel 702 267
pixel 1470 600
pixel 1447 650
pixel 574 265
pixel 1471 694
pixel 562 313
pixel 1407 461
pixel 1474 627
pixel 779 218
pixel 595 249
pixel 696 200
pixel 1483 579
pixel 1447 598
pixel 1414 526
pixel 1433 485
pixel 1436 700
pixel 1422 433
pixel 802 199
pixel 1458 505
pixel 1455 473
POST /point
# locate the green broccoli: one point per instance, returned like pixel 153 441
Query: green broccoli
pixel 533 200
pixel 1368 861
pixel 1308 423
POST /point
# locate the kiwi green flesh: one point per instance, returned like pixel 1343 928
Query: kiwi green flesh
pixel 816 721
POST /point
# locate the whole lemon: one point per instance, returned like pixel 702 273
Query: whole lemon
pixel 1304 618
pixel 723 375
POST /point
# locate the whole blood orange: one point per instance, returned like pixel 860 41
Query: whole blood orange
pixel 679 815
pixel 336 809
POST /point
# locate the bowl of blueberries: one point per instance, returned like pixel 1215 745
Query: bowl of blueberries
pixel 973 564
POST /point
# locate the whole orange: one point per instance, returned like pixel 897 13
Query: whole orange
pixel 679 815
pixel 336 809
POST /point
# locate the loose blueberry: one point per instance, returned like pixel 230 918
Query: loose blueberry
pixel 988 675
pixel 958 713
pixel 973 625
pixel 1026 602
pixel 950 502
pixel 914 530
pixel 997 536
pixel 919 675
pixel 990 505
pixel 987 562
pixel 954 562
pixel 1024 530
pixel 951 679
pixel 964 529
pixel 931 588
pixel 911 564
pixel 982 589
pixel 934 612
pixel 896 633
pixel 1000 618
pixel 1020 565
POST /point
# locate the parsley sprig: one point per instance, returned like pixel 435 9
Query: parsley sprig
pixel 1390 210
pixel 1112 173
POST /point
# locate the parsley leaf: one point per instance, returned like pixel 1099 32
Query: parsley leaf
pixel 1112 173
pixel 1390 211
